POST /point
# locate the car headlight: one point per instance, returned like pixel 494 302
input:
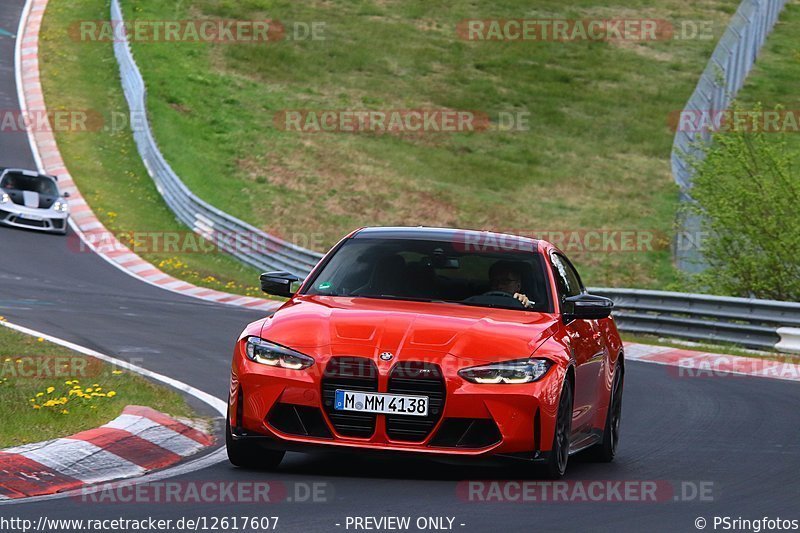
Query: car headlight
pixel 5 198
pixel 508 372
pixel 268 353
pixel 61 206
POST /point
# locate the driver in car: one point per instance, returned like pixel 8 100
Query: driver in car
pixel 504 276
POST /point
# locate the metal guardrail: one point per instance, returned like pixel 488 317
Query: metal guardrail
pixel 722 78
pixel 246 242
pixel 760 324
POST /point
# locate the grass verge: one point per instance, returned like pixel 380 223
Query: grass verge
pixel 48 391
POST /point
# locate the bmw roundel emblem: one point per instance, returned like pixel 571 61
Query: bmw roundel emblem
pixel 386 356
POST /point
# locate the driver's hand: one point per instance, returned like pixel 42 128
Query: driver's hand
pixel 523 299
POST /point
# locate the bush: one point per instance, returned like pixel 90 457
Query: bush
pixel 747 191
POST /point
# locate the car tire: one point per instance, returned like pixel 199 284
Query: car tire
pixel 248 454
pixel 605 451
pixel 556 465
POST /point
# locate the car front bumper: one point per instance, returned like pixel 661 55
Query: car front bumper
pixel 48 220
pixel 292 410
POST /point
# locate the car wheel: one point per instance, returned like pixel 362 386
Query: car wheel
pixel 556 464
pixel 605 451
pixel 248 454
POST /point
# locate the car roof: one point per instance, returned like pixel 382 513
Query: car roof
pixel 448 234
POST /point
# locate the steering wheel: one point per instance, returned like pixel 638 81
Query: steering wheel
pixel 499 293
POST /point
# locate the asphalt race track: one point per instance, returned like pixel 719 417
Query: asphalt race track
pixel 737 437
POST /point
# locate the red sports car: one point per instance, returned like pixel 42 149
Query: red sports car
pixel 439 342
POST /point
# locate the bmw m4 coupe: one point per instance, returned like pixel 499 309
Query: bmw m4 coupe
pixel 438 342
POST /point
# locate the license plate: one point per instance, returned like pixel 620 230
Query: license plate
pixel 30 217
pixel 390 404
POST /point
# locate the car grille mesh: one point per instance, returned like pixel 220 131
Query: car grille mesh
pixel 418 379
pixel 349 373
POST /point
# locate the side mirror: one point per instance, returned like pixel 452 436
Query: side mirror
pixel 586 307
pixel 65 195
pixel 278 283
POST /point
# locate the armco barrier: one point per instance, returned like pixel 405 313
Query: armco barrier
pixel 722 78
pixel 249 244
pixel 761 324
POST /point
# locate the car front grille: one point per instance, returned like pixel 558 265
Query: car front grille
pixel 349 373
pixel 28 222
pixel 417 379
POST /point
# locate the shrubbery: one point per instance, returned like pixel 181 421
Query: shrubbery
pixel 747 189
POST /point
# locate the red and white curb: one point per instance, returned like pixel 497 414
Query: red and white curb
pixel 689 363
pixel 83 220
pixel 141 439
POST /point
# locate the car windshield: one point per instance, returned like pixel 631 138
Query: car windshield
pixel 21 182
pixel 435 271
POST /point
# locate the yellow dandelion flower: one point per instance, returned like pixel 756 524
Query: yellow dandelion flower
pixel 50 390
pixel 111 394
pixel 40 339
pixel 65 412
pixel 116 372
pixel 39 394
pixel 89 389
pixel 37 407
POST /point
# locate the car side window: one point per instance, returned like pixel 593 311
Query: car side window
pixel 567 279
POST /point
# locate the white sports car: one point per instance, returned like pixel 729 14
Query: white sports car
pixel 32 200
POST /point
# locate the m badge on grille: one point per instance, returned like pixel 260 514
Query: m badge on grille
pixel 386 356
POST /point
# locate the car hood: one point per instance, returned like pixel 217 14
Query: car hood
pixel 31 199
pixel 362 325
